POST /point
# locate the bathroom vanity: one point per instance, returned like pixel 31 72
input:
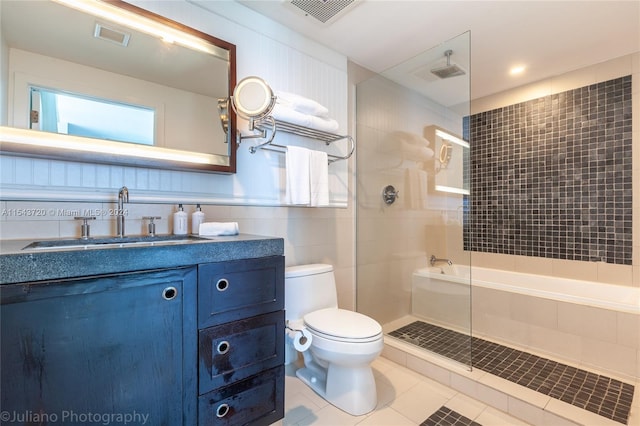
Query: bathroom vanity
pixel 178 333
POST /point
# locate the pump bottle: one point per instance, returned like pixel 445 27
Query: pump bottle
pixel 180 221
pixel 197 217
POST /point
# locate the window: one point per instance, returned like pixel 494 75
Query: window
pixel 79 115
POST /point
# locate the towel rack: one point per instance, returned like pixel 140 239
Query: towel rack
pixel 271 125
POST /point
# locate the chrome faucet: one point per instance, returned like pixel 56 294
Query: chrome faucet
pixel 123 197
pixel 433 260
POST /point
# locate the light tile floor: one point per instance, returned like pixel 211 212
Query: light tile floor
pixel 405 398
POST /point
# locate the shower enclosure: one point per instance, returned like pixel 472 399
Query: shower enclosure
pixel 412 187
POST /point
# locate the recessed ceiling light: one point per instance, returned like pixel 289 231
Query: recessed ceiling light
pixel 517 70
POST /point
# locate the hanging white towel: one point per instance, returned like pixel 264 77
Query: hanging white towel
pixel 297 176
pixel 415 189
pixel 319 178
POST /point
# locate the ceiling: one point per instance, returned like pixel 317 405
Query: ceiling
pixel 547 37
pixel 35 27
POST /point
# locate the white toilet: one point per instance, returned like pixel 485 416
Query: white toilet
pixel 343 343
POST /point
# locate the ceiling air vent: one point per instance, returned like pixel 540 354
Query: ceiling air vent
pixel 325 11
pixel 111 34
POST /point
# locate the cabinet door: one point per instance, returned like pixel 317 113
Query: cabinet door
pixel 102 348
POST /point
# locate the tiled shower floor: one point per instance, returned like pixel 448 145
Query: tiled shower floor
pixel 596 393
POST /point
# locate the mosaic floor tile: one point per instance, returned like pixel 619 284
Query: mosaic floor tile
pixel 447 417
pixel 598 394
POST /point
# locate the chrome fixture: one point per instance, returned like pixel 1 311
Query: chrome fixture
pixel 85 225
pixel 152 225
pixel 254 101
pixel 123 197
pixel 449 70
pixel 223 112
pixel 433 260
pixel 389 194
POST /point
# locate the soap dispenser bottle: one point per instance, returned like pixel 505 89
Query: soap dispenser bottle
pixel 180 221
pixel 197 217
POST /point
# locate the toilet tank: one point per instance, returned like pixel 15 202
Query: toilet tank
pixel 308 288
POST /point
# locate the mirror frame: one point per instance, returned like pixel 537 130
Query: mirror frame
pixel 21 141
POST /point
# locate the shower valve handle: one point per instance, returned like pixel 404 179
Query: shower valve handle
pixel 389 194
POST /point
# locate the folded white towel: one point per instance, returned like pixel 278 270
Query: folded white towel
pixel 410 138
pixel 319 178
pixel 218 228
pixel 415 152
pixel 302 104
pixel 284 113
pixel 297 176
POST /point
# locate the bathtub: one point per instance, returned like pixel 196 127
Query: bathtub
pixel 606 296
pixel 585 322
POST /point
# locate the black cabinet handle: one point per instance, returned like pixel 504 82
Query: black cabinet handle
pixel 222 410
pixel 222 284
pixel 169 293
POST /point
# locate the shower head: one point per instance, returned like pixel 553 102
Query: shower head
pixel 448 70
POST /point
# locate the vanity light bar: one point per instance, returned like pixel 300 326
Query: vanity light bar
pixel 123 17
pixel 9 135
pixel 448 137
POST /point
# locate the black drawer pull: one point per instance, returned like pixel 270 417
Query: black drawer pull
pixel 222 284
pixel 223 347
pixel 222 410
pixel 169 293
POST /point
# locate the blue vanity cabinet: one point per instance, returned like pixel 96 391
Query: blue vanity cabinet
pixel 241 342
pixel 95 350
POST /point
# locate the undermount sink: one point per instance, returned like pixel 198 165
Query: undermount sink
pixel 104 242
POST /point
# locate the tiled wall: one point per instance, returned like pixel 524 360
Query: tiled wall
pixel 552 177
pixel 604 339
pixel 610 273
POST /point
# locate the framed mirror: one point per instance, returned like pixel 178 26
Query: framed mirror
pixel 109 82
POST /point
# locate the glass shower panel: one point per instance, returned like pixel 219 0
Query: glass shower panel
pixel 413 275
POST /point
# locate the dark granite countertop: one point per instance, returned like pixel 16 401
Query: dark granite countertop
pixel 19 265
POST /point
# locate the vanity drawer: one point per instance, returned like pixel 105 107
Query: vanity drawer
pixel 258 400
pixel 228 291
pixel 234 351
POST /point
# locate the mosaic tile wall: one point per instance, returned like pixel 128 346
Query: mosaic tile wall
pixel 552 177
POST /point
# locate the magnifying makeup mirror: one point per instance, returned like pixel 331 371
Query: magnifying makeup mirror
pixel 253 98
pixel 445 154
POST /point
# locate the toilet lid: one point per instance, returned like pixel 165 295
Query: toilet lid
pixel 341 323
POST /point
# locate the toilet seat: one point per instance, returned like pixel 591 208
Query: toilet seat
pixel 343 325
